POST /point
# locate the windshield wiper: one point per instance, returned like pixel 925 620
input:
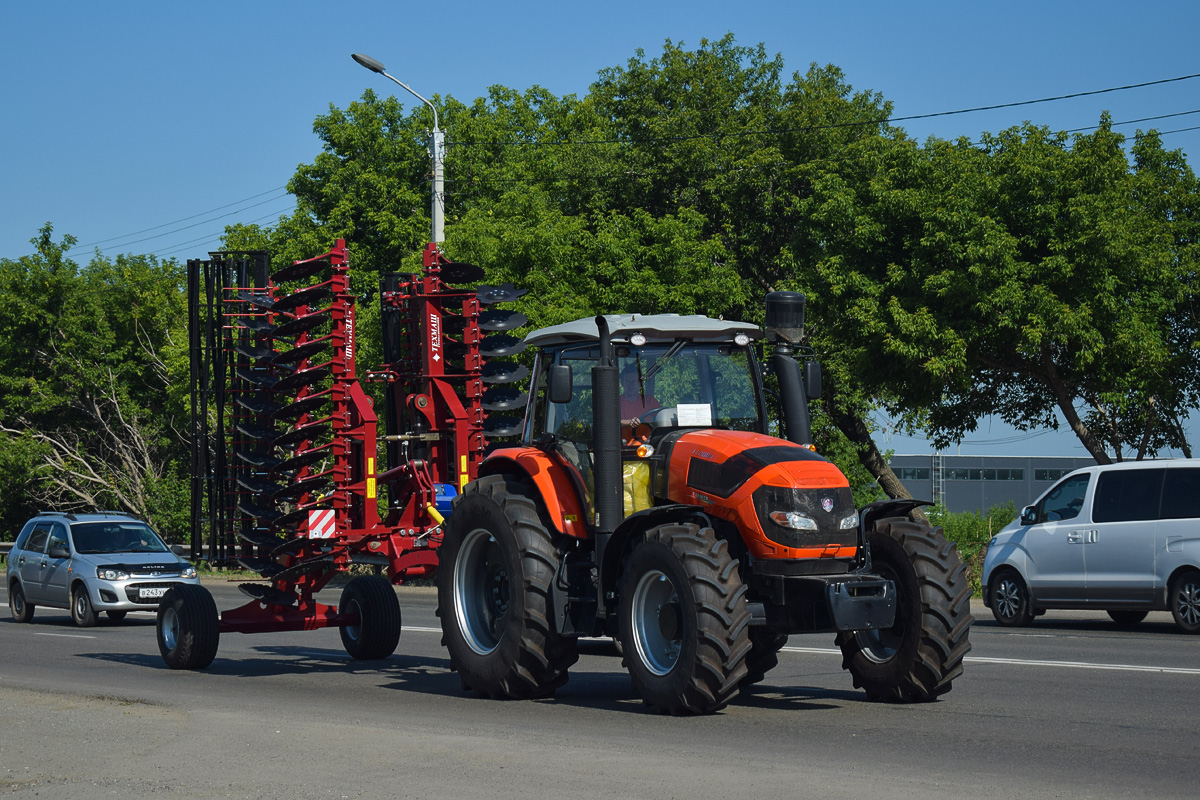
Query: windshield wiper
pixel 662 360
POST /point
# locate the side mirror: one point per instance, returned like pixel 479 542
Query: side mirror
pixel 812 380
pixel 1028 516
pixel 177 549
pixel 60 551
pixel 559 383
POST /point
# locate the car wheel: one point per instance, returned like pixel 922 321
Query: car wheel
pixel 18 606
pixel 1126 617
pixel 1185 602
pixel 115 616
pixel 1009 600
pixel 82 610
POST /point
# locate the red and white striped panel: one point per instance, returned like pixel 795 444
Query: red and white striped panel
pixel 321 523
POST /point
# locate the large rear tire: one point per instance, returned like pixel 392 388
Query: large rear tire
pixel 918 658
pixel 684 622
pixel 495 578
pixel 372 599
pixel 188 627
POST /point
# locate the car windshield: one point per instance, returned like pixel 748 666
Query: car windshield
pixel 116 537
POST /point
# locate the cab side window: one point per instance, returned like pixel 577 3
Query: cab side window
pixel 1181 494
pixel 1128 495
pixel 1064 501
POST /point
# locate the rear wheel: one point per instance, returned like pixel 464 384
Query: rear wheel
pixel 497 567
pixel 188 627
pixel 1127 616
pixel 1009 599
pixel 371 599
pixel 82 610
pixel 20 608
pixel 1185 602
pixel 684 622
pixel 918 658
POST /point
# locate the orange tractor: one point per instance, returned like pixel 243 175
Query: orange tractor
pixel 647 501
pixel 642 497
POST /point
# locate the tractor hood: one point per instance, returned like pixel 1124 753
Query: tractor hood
pixel 796 503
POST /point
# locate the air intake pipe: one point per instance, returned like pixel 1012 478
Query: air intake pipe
pixel 785 329
pixel 606 428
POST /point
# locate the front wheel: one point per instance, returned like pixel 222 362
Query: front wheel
pixel 1185 602
pixel 1009 599
pixel 188 627
pixel 82 610
pixel 765 645
pixel 371 599
pixel 684 621
pixel 918 658
pixel 495 579
pixel 20 608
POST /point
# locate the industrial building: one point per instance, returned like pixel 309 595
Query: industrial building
pixel 977 483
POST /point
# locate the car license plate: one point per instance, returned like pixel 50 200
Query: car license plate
pixel 157 591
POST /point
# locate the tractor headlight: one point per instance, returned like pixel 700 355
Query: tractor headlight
pixel 794 520
pixel 849 522
pixel 111 574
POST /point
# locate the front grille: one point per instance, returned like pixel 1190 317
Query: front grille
pixel 133 592
pixel 811 502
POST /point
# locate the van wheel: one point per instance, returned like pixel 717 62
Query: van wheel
pixel 1126 617
pixel 1185 602
pixel 1009 599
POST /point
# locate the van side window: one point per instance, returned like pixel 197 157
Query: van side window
pixel 1181 494
pixel 1128 495
pixel 1065 500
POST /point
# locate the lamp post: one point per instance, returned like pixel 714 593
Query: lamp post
pixel 437 206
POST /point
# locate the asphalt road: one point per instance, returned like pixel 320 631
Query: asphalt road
pixel 1072 707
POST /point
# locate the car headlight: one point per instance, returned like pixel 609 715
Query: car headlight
pixel 188 571
pixel 111 574
pixel 794 520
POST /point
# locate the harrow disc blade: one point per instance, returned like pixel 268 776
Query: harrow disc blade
pixel 256 403
pixel 461 272
pixel 303 460
pixel 257 432
pixel 503 426
pixel 304 297
pixel 301 487
pixel 305 377
pixel 263 566
pixel 257 299
pixel 257 459
pixel 300 407
pixel 299 325
pixel 258 485
pixel 302 434
pixel 267 516
pixel 306 568
pixel 493 346
pixel 258 378
pixel 301 269
pixel 504 372
pixel 257 325
pixel 258 538
pixel 504 293
pixel 263 354
pixel 497 319
pixel 267 594
pixel 504 398
pixel 300 353
pixel 289 519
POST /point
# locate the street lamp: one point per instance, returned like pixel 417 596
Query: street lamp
pixel 437 206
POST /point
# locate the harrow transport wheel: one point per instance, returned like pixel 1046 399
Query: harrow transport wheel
pixel 765 645
pixel 377 633
pixel 684 622
pixel 918 658
pixel 188 627
pixel 82 610
pixel 20 608
pixel 497 565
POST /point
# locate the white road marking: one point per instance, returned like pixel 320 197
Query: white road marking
pixel 1033 662
pixel 67 635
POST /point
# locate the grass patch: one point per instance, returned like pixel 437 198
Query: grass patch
pixel 971 531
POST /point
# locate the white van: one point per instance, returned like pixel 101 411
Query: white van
pixel 1122 538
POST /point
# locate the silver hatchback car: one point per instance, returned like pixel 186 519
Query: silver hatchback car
pixel 89 563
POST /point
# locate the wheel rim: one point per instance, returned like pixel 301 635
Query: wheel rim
pixel 81 604
pixel 16 600
pixel 481 591
pixel 168 626
pixel 353 632
pixel 1187 602
pixel 881 646
pixel 1007 599
pixel 657 623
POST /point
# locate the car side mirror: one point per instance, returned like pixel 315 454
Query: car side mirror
pixel 177 549
pixel 1028 516
pixel 559 381
pixel 59 551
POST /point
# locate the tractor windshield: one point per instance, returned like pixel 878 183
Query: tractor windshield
pixel 672 384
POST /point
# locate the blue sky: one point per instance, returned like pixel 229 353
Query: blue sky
pixel 147 126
